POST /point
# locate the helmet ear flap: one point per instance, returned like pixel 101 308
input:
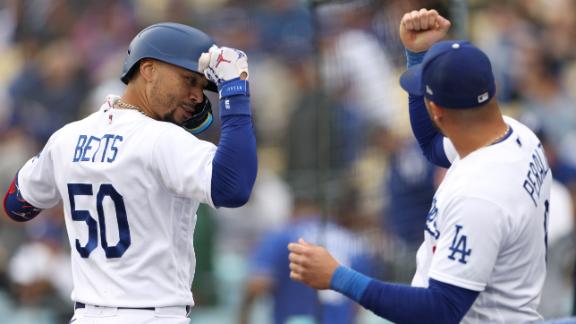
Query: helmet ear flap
pixel 201 120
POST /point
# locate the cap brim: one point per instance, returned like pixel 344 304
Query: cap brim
pixel 411 80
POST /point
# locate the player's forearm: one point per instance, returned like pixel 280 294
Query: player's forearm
pixel 440 303
pixel 428 137
pixel 430 140
pixel 16 207
pixel 235 164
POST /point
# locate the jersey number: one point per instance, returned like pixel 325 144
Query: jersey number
pixel 105 190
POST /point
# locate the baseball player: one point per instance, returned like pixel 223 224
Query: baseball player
pixel 483 256
pixel 131 176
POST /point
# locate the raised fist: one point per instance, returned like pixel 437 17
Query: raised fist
pixel 420 29
pixel 223 64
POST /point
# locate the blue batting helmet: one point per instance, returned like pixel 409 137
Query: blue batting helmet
pixel 171 43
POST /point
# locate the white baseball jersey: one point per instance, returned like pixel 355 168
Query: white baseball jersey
pixel 486 229
pixel 130 188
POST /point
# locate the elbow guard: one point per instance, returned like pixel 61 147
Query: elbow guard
pixel 16 207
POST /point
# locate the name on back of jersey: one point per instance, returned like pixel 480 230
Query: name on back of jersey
pixel 537 170
pixel 90 148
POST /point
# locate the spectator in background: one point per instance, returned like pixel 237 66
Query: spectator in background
pixel 283 24
pixel 274 94
pixel 501 29
pixel 15 148
pixel 356 66
pixel 323 130
pixel 41 22
pixel 117 25
pixel 544 95
pixel 562 168
pixel 40 272
pixel 268 209
pixel 49 90
pixel 410 185
pixel 7 23
pixel 269 272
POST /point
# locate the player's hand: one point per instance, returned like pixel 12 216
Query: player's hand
pixel 311 264
pixel 420 29
pixel 223 63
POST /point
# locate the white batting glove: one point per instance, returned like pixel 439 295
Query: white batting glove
pixel 222 64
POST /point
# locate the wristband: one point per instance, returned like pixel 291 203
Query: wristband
pixel 235 105
pixel 349 282
pixel 413 58
pixel 234 87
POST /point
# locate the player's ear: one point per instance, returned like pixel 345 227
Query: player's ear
pixel 147 69
pixel 436 112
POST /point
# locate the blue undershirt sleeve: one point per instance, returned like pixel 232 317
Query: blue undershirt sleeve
pixel 439 303
pixel 235 163
pixel 431 141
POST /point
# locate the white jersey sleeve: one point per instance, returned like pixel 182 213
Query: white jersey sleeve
pixel 36 178
pixel 472 233
pixel 185 164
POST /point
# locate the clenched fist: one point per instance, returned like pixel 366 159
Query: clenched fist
pixel 420 29
pixel 311 264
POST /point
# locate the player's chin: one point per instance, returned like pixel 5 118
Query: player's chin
pixel 184 113
pixel 180 115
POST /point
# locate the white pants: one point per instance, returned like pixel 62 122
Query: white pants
pixel 112 315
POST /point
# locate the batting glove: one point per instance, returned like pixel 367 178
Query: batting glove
pixel 223 64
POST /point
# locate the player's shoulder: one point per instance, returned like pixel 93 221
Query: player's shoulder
pixel 494 172
pixel 167 127
pixel 520 131
pixel 506 154
pixel 170 141
pixel 166 131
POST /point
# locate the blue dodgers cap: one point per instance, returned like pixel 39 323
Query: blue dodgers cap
pixel 453 74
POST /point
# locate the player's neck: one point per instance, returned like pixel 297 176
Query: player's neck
pixel 473 137
pixel 135 98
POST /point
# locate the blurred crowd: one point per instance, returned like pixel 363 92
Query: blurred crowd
pixel 337 161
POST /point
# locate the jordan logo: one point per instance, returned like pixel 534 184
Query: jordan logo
pixel 221 59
